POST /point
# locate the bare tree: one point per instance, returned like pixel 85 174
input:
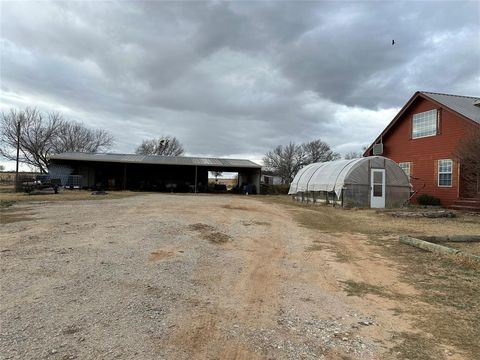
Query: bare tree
pixel 468 154
pixel 164 145
pixel 34 134
pixel 353 155
pixel 39 136
pixel 318 151
pixel 286 161
pixel 73 136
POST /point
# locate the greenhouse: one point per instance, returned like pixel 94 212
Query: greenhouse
pixel 374 181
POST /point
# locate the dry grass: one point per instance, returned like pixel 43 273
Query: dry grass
pixel 369 222
pixel 447 309
pixel 9 213
pixel 360 289
pixel 208 232
pixel 6 203
pixel 10 217
pixel 65 195
pixel 259 223
pixel 6 188
pixel 416 346
pixel 232 207
pixel 216 237
pixel 314 247
pixel 201 227
pixel 354 288
pixel 468 247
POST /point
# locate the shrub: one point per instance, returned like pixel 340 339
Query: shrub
pixel 274 189
pixel 426 199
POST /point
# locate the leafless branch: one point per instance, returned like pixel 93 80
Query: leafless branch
pixel 164 145
pixel 41 136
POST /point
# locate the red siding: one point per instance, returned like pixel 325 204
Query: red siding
pixel 424 153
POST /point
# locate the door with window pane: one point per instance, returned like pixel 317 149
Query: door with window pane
pixel 377 197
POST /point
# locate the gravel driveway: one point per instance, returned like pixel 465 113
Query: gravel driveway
pixel 175 277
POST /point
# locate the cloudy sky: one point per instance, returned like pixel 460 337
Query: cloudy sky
pixel 235 79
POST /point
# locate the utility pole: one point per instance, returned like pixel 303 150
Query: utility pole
pixel 18 155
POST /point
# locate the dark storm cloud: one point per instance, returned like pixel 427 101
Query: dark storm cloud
pixel 348 57
pixel 236 78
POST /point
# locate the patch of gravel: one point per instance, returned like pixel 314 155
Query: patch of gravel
pixel 315 338
pixel 121 279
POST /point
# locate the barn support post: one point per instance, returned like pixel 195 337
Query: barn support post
pixel 124 177
pixel 256 180
pixel 196 179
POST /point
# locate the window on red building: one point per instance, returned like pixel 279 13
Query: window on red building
pixel 424 124
pixel 445 172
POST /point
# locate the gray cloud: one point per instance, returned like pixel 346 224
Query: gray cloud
pixel 235 78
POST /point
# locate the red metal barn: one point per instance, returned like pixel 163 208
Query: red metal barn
pixel 423 139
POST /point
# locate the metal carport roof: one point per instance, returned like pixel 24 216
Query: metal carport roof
pixel 156 159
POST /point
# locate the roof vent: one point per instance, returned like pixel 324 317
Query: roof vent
pixel 378 149
pixel 476 103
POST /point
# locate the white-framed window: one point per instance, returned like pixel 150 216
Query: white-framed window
pixel 405 166
pixel 424 124
pixel 445 172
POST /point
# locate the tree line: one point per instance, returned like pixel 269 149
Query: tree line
pixel 40 135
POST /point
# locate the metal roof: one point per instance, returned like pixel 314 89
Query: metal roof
pixel 466 106
pixel 156 159
pixel 463 105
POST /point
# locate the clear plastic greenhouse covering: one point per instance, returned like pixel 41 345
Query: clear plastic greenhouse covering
pixel 334 175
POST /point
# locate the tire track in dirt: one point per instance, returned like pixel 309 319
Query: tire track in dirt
pixel 251 294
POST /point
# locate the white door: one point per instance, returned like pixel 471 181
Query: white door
pixel 377 197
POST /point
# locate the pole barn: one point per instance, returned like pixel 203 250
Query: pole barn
pixel 150 172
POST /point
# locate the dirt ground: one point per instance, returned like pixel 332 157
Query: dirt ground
pixel 228 277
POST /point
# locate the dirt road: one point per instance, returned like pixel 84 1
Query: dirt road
pixel 187 277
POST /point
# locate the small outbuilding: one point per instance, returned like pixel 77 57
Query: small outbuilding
pixel 374 181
